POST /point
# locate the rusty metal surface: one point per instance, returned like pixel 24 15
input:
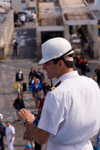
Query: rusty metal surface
pixel 78 16
pixel 72 3
pixel 49 22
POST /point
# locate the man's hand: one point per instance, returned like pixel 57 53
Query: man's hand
pixel 11 140
pixel 26 114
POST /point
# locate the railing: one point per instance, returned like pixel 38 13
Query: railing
pixel 6 31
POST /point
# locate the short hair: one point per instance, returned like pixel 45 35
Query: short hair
pixel 68 63
pixel 19 94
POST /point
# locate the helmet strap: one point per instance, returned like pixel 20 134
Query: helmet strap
pixel 68 58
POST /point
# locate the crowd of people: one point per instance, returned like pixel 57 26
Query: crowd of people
pixel 36 82
pixel 37 86
pixel 19 18
pixel 70 112
pixel 62 110
pixel 82 66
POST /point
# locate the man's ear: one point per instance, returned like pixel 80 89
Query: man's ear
pixel 60 63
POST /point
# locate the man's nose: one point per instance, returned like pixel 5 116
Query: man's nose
pixel 44 66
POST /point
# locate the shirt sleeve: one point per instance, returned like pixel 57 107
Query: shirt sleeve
pixel 52 113
pixel 13 130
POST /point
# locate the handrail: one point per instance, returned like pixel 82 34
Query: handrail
pixel 6 28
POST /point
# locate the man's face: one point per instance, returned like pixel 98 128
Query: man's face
pixel 32 69
pixel 8 124
pixel 39 70
pixel 51 69
pixel 19 70
pixel 20 97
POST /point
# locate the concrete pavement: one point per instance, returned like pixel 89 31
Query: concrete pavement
pixel 8 68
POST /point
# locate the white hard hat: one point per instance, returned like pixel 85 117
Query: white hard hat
pixel 1 116
pixel 54 48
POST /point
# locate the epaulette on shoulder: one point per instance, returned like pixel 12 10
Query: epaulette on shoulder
pixel 52 88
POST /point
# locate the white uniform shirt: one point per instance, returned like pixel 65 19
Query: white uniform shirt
pixel 71 111
pixel 9 131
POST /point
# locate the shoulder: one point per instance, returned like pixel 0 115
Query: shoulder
pixel 16 100
pixel 55 86
pixel 60 88
pixel 12 127
pixel 55 93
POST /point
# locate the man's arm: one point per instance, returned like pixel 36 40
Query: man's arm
pixel 33 132
pixel 29 76
pixel 16 77
pixel 39 135
pixel 12 137
pixel 22 76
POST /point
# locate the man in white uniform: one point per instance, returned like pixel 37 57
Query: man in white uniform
pixel 71 111
pixel 10 135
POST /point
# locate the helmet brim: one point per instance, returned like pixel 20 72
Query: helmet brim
pixel 42 61
pixel 70 52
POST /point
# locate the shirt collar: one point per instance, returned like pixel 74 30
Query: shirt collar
pixel 66 76
pixel 9 126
